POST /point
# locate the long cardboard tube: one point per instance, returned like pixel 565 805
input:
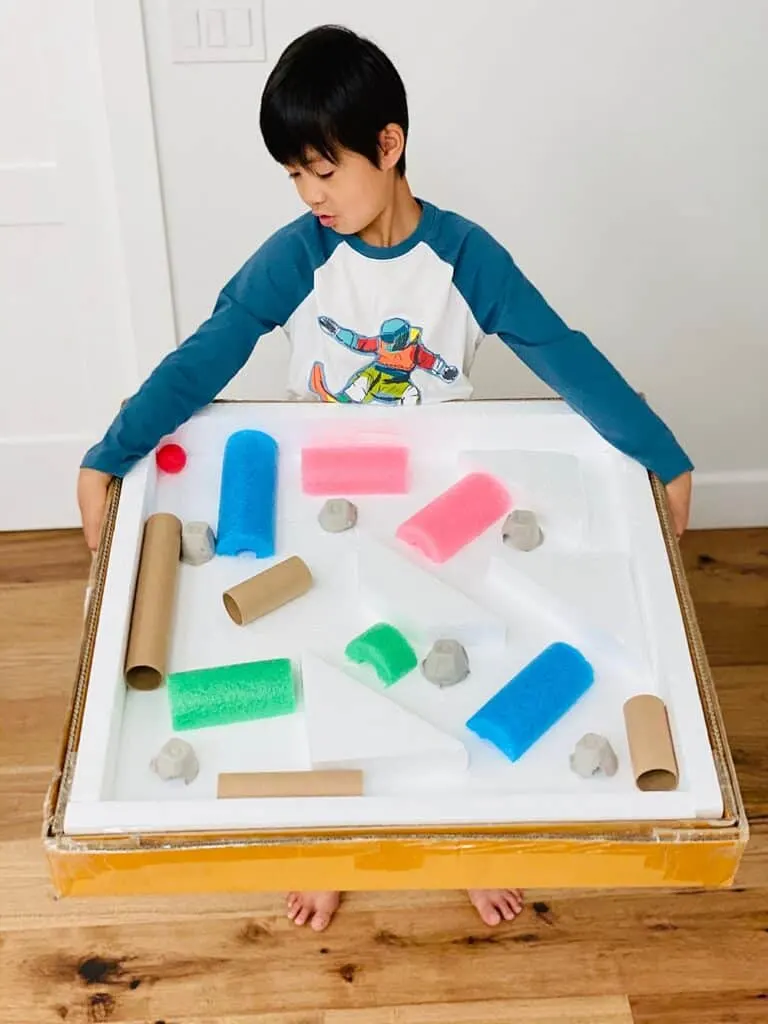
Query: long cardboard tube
pixel 267 590
pixel 650 743
pixel 341 782
pixel 150 630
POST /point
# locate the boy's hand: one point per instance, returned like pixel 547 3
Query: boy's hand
pixel 679 500
pixel 92 487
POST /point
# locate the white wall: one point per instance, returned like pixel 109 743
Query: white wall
pixel 618 149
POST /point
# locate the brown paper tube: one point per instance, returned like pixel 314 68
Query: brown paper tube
pixel 153 602
pixel 268 590
pixel 274 784
pixel 650 743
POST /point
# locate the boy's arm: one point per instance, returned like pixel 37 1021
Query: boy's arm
pixel 260 297
pixel 504 302
pixel 185 381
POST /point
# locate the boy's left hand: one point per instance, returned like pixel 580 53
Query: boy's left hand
pixel 679 501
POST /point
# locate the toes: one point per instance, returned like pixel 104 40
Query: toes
pixel 488 912
pixel 514 898
pixel 293 905
pixel 302 916
pixel 320 922
pixel 491 916
pixel 508 911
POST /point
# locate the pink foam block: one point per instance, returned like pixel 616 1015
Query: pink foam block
pixel 362 469
pixel 456 517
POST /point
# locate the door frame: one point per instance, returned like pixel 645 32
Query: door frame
pixel 134 172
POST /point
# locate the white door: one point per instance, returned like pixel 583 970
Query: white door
pixel 73 221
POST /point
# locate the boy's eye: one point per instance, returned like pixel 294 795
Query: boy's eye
pixel 328 174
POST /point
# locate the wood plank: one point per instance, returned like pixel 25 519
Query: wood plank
pixel 40 627
pixel 727 572
pixel 753 870
pixel 21 804
pixel 599 1010
pixel 608 1010
pixel 742 691
pixel 43 557
pixel 32 730
pixel 735 1007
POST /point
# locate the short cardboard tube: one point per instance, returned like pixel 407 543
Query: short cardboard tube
pixel 650 743
pixel 337 782
pixel 267 591
pixel 152 615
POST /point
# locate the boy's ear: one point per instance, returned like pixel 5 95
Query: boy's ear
pixel 391 145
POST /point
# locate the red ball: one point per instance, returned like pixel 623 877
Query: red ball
pixel 171 458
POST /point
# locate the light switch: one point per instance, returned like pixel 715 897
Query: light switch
pixel 215 28
pixel 210 31
pixel 239 31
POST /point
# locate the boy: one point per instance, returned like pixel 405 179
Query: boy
pixel 385 299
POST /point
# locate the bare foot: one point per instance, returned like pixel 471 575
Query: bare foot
pixel 316 907
pixel 496 905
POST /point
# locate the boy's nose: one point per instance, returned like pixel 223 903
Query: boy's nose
pixel 314 197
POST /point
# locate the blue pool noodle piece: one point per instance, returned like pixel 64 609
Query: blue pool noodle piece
pixel 248 499
pixel 530 704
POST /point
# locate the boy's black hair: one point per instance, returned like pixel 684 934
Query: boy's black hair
pixel 331 88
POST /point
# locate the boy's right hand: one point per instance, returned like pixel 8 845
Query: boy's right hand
pixel 92 487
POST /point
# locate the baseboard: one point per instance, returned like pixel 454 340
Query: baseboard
pixel 730 499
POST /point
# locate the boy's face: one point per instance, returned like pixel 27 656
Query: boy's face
pixel 346 196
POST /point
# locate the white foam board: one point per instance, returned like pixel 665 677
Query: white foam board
pixel 589 599
pixel 350 725
pixel 114 789
pixel 419 602
pixel 549 483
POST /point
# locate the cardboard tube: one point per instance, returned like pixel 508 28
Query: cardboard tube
pixel 152 614
pixel 234 785
pixel 267 590
pixel 650 743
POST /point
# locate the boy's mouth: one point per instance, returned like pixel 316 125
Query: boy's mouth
pixel 326 219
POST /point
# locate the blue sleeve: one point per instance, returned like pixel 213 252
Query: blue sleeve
pixel 261 296
pixel 504 302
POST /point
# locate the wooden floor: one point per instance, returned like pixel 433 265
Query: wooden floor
pixel 410 958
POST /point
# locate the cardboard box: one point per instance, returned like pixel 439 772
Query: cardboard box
pixel 577 854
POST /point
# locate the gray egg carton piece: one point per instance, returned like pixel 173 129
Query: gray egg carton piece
pixel 176 760
pixel 446 664
pixel 594 755
pixel 337 515
pixel 198 543
pixel 521 530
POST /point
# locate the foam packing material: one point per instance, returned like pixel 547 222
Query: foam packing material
pixel 386 649
pixel 456 517
pixel 354 469
pixel 248 497
pixel 530 704
pixel 231 693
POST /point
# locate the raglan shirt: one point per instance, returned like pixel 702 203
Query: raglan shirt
pixel 394 325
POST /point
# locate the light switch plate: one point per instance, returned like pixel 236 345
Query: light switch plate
pixel 213 31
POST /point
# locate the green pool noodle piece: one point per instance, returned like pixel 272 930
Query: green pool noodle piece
pixel 386 649
pixel 231 693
